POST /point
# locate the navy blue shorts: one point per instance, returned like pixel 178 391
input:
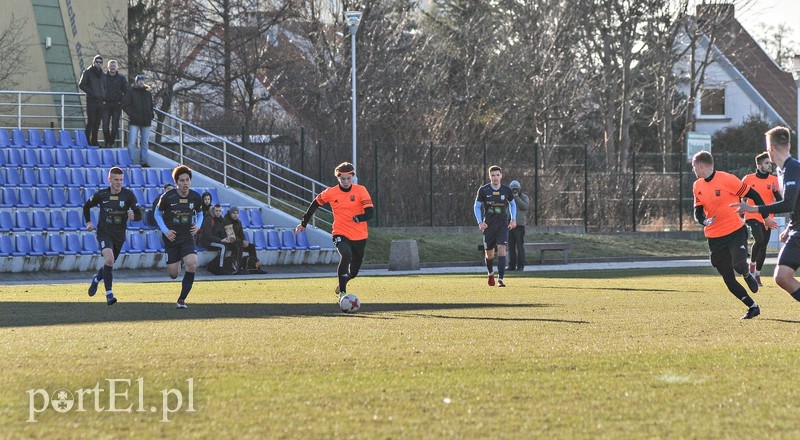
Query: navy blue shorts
pixel 178 249
pixel 110 241
pixel 790 254
pixel 495 234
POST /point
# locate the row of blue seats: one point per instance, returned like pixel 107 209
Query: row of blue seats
pixel 74 196
pixel 49 176
pixel 34 157
pixel 147 242
pixel 72 220
pixel 44 139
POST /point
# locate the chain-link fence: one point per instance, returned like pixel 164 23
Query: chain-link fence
pixel 568 185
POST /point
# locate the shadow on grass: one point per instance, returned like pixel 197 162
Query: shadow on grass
pixel 26 314
pixel 787 321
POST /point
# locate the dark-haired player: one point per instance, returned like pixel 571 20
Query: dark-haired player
pixel 714 192
pixel 179 217
pixel 766 184
pixel 352 208
pixel 778 144
pixel 117 206
pixel 494 205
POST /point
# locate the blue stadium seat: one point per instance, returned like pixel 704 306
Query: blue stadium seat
pixel 56 245
pixel 245 219
pixel 136 177
pixel 18 138
pixel 6 222
pixel 166 177
pixel 25 198
pixel 34 138
pixel 107 158
pixel 287 239
pixel 77 159
pixel 6 245
pixel 254 215
pixel 23 222
pixel 49 139
pixel 39 221
pixel 93 157
pixel 134 225
pixel 273 240
pixel 9 198
pixel 93 177
pixel 15 158
pixel 259 240
pixel 45 177
pixel 74 244
pixel 46 158
pixel 42 197
pixel 136 243
pixel 88 193
pixel 65 139
pixel 23 243
pixel 61 178
pixel 29 176
pixel 154 243
pixel 302 241
pixel 76 177
pixel 57 222
pixel 74 197
pixel 74 220
pixel 31 157
pixel 137 191
pixel 123 159
pixel 62 158
pixel 80 139
pixel 57 197
pixel 90 245
pixel 152 177
pixel 150 196
pixel 3 161
pixel 94 214
pixel 38 247
pixel 5 141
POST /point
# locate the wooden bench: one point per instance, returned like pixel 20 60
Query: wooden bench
pixel 542 247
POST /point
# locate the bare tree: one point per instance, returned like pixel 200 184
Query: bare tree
pixel 13 51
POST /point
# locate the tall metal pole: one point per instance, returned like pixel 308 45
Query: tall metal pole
pixel 353 19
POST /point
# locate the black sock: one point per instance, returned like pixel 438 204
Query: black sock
pixel 100 273
pixel 796 294
pixel 490 265
pixel 186 285
pixel 501 266
pixel 343 279
pixel 107 277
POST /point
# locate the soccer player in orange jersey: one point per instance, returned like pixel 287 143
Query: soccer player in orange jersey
pixel 714 193
pixel 352 209
pixel 766 184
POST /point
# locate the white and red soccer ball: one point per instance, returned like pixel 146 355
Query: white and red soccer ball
pixel 349 303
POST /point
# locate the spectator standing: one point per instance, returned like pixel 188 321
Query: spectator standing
pixel 138 105
pixel 93 85
pixel 516 236
pixel 116 87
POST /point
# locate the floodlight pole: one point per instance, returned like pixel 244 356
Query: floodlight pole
pixel 353 20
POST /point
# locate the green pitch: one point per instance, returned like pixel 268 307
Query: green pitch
pixel 625 354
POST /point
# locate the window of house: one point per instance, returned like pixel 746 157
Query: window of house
pixel 712 102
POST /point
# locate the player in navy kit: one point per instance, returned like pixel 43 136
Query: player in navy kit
pixel 179 217
pixel 117 206
pixel 778 146
pixel 494 206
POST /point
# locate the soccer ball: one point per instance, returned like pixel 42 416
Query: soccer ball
pixel 349 303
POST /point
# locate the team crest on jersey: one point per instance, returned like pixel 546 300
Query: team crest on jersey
pixel 717 192
pixel 191 205
pixel 352 198
pixel 502 196
pixel 121 203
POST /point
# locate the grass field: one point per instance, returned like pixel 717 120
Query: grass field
pixel 619 354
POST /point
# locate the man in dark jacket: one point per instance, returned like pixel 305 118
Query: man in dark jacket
pixel 252 265
pixel 138 105
pixel 116 88
pixel 214 237
pixel 93 85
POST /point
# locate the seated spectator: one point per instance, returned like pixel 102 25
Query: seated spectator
pixel 252 265
pixel 216 238
pixel 151 219
pixel 206 209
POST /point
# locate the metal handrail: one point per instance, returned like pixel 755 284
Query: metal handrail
pixel 21 102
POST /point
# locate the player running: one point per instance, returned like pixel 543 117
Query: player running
pixel 117 206
pixel 352 209
pixel 766 184
pixel 493 204
pixel 179 217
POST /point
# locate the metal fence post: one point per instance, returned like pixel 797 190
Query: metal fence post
pixel 225 163
pixel 430 182
pixel 485 164
pixel 180 149
pixel 586 188
pixel 319 160
pixel 536 184
pixel 680 193
pixel 633 191
pixel 377 217
pixel 302 150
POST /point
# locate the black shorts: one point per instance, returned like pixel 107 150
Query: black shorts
pixel 790 253
pixel 495 234
pixel 114 242
pixel 728 249
pixel 179 248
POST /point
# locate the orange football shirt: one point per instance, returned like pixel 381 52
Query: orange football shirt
pixel 346 205
pixel 716 197
pixel 766 188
